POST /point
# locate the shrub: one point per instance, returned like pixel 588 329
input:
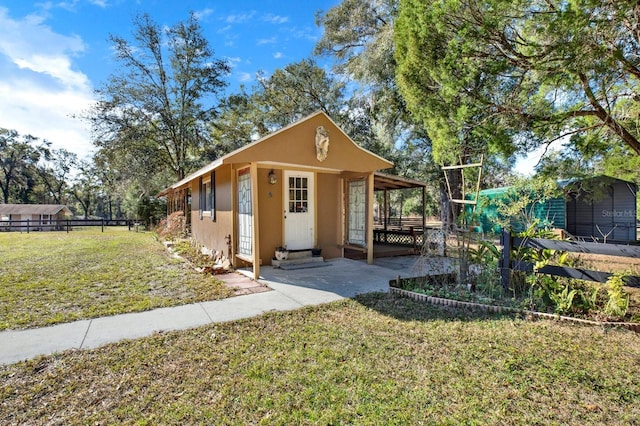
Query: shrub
pixel 618 302
pixel 172 227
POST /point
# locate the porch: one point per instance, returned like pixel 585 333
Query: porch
pixel 393 234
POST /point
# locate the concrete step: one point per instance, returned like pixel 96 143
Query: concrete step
pixel 297 261
pixel 299 254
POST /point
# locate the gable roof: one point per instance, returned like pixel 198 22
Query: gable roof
pixel 592 181
pixel 51 209
pixel 275 148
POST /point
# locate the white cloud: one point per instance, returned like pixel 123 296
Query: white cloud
pixel 234 60
pixel 271 40
pixel 306 33
pixel 58 67
pixel 277 55
pixel 40 89
pixel 275 19
pixel 242 18
pixel 30 44
pixel 204 14
pixel 32 109
pixel 100 3
pixel 70 5
pixel 245 77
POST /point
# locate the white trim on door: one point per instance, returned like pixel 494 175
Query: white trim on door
pixel 299 209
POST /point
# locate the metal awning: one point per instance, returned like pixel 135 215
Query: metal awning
pixel 384 181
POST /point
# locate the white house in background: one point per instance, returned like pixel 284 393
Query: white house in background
pixel 42 217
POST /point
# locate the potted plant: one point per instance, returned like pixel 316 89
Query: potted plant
pixel 282 253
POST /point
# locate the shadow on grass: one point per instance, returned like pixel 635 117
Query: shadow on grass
pixel 406 309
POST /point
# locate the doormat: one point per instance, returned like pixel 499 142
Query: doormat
pixel 304 265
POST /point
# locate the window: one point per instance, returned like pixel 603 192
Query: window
pixel 208 196
pixel 298 195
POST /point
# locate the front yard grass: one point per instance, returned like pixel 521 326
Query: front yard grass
pixel 54 277
pixel 373 360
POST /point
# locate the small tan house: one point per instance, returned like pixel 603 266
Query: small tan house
pixel 42 217
pixel 304 186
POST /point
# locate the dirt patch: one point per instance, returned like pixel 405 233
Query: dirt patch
pixel 611 264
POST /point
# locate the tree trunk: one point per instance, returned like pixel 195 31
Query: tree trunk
pixel 607 119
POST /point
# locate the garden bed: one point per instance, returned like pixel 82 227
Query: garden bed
pixel 441 290
pixel 444 286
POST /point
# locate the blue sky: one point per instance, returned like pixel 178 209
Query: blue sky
pixel 53 54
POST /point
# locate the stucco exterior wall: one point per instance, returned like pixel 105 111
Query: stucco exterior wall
pixel 270 214
pixel 212 234
pixel 330 212
pixel 296 145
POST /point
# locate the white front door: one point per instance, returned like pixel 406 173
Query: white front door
pixel 299 211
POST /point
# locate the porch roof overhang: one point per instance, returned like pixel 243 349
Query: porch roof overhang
pixel 206 169
pixel 381 181
pixel 385 181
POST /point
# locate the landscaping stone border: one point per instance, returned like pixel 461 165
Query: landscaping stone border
pixel 501 309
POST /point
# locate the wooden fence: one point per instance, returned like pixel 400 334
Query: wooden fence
pixel 29 225
pixel 510 242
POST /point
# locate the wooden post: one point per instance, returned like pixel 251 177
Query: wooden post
pixel 386 211
pixel 234 215
pixel 102 225
pixel 369 223
pixel 27 226
pixel 255 249
pixel 505 259
pixel 424 201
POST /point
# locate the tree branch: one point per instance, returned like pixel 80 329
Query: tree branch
pixel 607 119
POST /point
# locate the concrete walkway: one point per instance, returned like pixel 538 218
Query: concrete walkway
pixel 292 289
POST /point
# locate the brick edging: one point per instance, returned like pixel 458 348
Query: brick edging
pixel 499 309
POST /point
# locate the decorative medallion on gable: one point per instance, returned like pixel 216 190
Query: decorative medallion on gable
pixel 322 143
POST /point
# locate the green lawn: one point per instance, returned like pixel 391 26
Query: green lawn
pixel 376 360
pixel 54 277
